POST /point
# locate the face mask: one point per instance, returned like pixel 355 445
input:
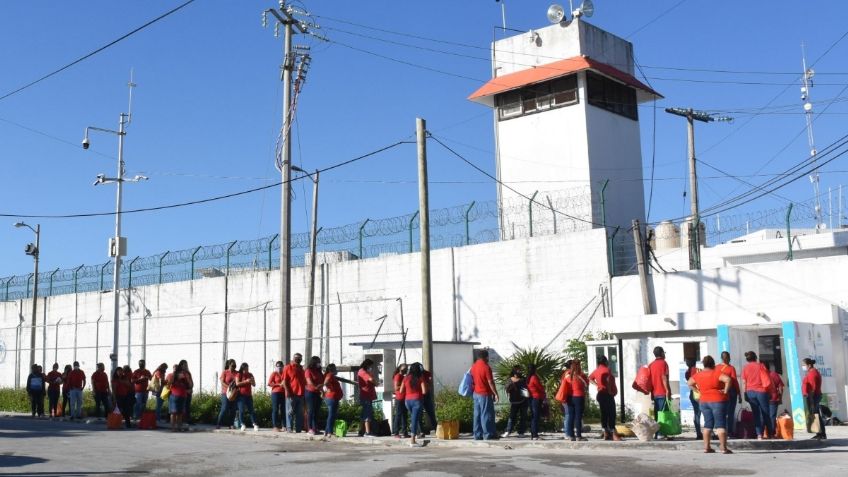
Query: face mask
pixel 279 368
pixel 297 360
pixel 804 367
pixel 335 373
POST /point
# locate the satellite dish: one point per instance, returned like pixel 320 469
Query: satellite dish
pixel 587 9
pixel 556 13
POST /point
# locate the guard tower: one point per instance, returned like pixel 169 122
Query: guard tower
pixel 566 102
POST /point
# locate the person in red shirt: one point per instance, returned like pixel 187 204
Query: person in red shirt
pixel 122 390
pixel 66 391
pixel 227 379
pixel 696 404
pixel 76 383
pixel 485 397
pixel 713 386
pixel 54 389
pixel 734 396
pixel 278 397
pixel 140 379
pixel 601 378
pixel 314 377
pixel 661 388
pixel 428 404
pixel 811 388
pixel 414 388
pixel 775 392
pixel 294 382
pixel 100 389
pixel 578 384
pixel 156 384
pixel 755 377
pixel 332 395
pixel 400 418
pixel 537 400
pixel 180 383
pixel 367 395
pixel 189 391
pixel 245 383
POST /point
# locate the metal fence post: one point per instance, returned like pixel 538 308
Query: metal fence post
pixel 97 338
pixel 7 286
pixel 56 343
pixel 611 251
pixel 129 281
pixel 232 244
pixel 193 254
pixel 200 360
pixel 467 221
pixel 265 346
pixel 160 264
pixel 361 234
pixel 102 269
pixel 789 230
pixel 270 249
pixel 50 292
pixel 530 206
pixel 18 352
pixel 76 272
pixel 29 278
pixel 410 228
pixel 553 212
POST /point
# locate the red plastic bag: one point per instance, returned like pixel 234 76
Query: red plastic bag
pixel 564 390
pixel 642 383
pixel 612 389
pixel 148 420
pixel 114 420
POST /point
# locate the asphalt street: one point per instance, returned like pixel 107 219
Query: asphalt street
pixel 43 448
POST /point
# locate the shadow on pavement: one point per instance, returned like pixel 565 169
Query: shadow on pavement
pixel 28 428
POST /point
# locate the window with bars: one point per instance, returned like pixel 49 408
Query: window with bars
pixel 611 95
pixel 538 97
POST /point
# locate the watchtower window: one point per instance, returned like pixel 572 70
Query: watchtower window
pixel 538 97
pixel 610 95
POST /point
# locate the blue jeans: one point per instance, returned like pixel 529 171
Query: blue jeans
pixel 415 407
pixel 399 420
pixel 159 403
pixel 574 421
pixel 332 410
pixel 715 414
pixel 659 404
pixel 484 417
pixel 226 408
pixel 246 403
pixel 76 403
pixel 140 404
pixel 730 411
pixel 696 408
pixel 278 409
pixel 773 412
pixel 535 416
pixel 760 407
pixel 294 413
pixel 367 413
pixel 313 403
pixel 101 399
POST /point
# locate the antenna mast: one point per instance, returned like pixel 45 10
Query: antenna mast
pixel 130 85
pixel 807 84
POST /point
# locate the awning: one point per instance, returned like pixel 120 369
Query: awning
pixel 519 79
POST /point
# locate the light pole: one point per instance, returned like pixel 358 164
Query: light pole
pixel 33 250
pixel 313 242
pixel 117 244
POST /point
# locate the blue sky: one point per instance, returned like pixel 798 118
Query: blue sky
pixel 207 109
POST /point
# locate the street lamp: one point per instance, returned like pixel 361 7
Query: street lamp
pixel 33 250
pixel 313 242
pixel 117 244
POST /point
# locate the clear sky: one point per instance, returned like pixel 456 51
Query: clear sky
pixel 207 109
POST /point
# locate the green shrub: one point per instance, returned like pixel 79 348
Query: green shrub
pixel 14 400
pixel 450 406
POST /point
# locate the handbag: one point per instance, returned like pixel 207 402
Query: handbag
pixel 765 379
pixel 166 391
pixel 232 392
pixel 564 390
pixel 669 421
pixel 612 389
pixel 815 424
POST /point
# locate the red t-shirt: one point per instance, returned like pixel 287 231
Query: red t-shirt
pixel 141 379
pixel 397 379
pixel 428 378
pixel 245 389
pixel 412 390
pixel 76 379
pixel 316 376
pixel 776 387
pixel 812 383
pixel 52 378
pixel 293 374
pixel 366 385
pixel 578 383
pixel 481 374
pixel 122 387
pixel 730 371
pixel 659 368
pixel 227 377
pixel 710 385
pixel 276 382
pixel 751 374
pixel 178 385
pixel 100 381
pixel 601 376
pixel 534 385
pixel 334 389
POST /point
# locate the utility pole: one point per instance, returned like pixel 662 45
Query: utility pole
pixel 695 239
pixel 313 244
pixel 424 230
pixel 640 264
pixel 34 251
pixel 806 85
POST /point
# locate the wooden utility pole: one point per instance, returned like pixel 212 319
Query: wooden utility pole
pixel 313 243
pixel 424 229
pixel 640 264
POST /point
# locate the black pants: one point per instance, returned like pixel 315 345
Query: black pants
pixel 125 404
pixel 36 401
pixel 53 398
pixel 607 405
pixel 66 401
pixel 101 399
pixel 517 412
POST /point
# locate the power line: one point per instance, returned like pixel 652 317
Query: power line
pixel 207 200
pixel 655 19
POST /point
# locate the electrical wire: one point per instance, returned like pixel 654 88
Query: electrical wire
pixel 98 50
pixel 209 199
pixel 655 19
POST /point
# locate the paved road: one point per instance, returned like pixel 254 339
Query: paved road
pixel 44 448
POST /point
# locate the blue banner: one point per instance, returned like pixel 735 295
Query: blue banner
pixel 723 335
pixel 793 374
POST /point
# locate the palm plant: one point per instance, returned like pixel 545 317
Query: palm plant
pixel 549 365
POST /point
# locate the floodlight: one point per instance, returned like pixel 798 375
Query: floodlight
pixel 586 9
pixel 556 13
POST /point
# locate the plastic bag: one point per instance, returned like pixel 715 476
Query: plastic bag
pixel 642 383
pixel 669 421
pixel 644 427
pixel 340 429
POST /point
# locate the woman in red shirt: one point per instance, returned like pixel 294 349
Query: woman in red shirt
pixel 156 385
pixel 367 396
pixel 278 397
pixel 811 389
pixel 713 386
pixel 54 382
pixel 537 400
pixel 414 387
pixel 179 383
pixel 314 378
pixel 122 390
pixel 400 418
pixel 601 378
pixel 332 395
pixel 66 391
pixel 245 383
pixel 755 377
pixel 575 401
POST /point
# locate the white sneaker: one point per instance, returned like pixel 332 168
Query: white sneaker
pixel 256 428
pixel 242 428
pixel 506 434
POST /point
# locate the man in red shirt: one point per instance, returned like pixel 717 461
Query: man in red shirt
pixel 775 391
pixel 140 379
pixel 294 382
pixel 54 388
pixel 76 383
pixel 100 388
pixel 485 397
pixel 661 391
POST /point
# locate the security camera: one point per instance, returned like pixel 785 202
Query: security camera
pixel 85 143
